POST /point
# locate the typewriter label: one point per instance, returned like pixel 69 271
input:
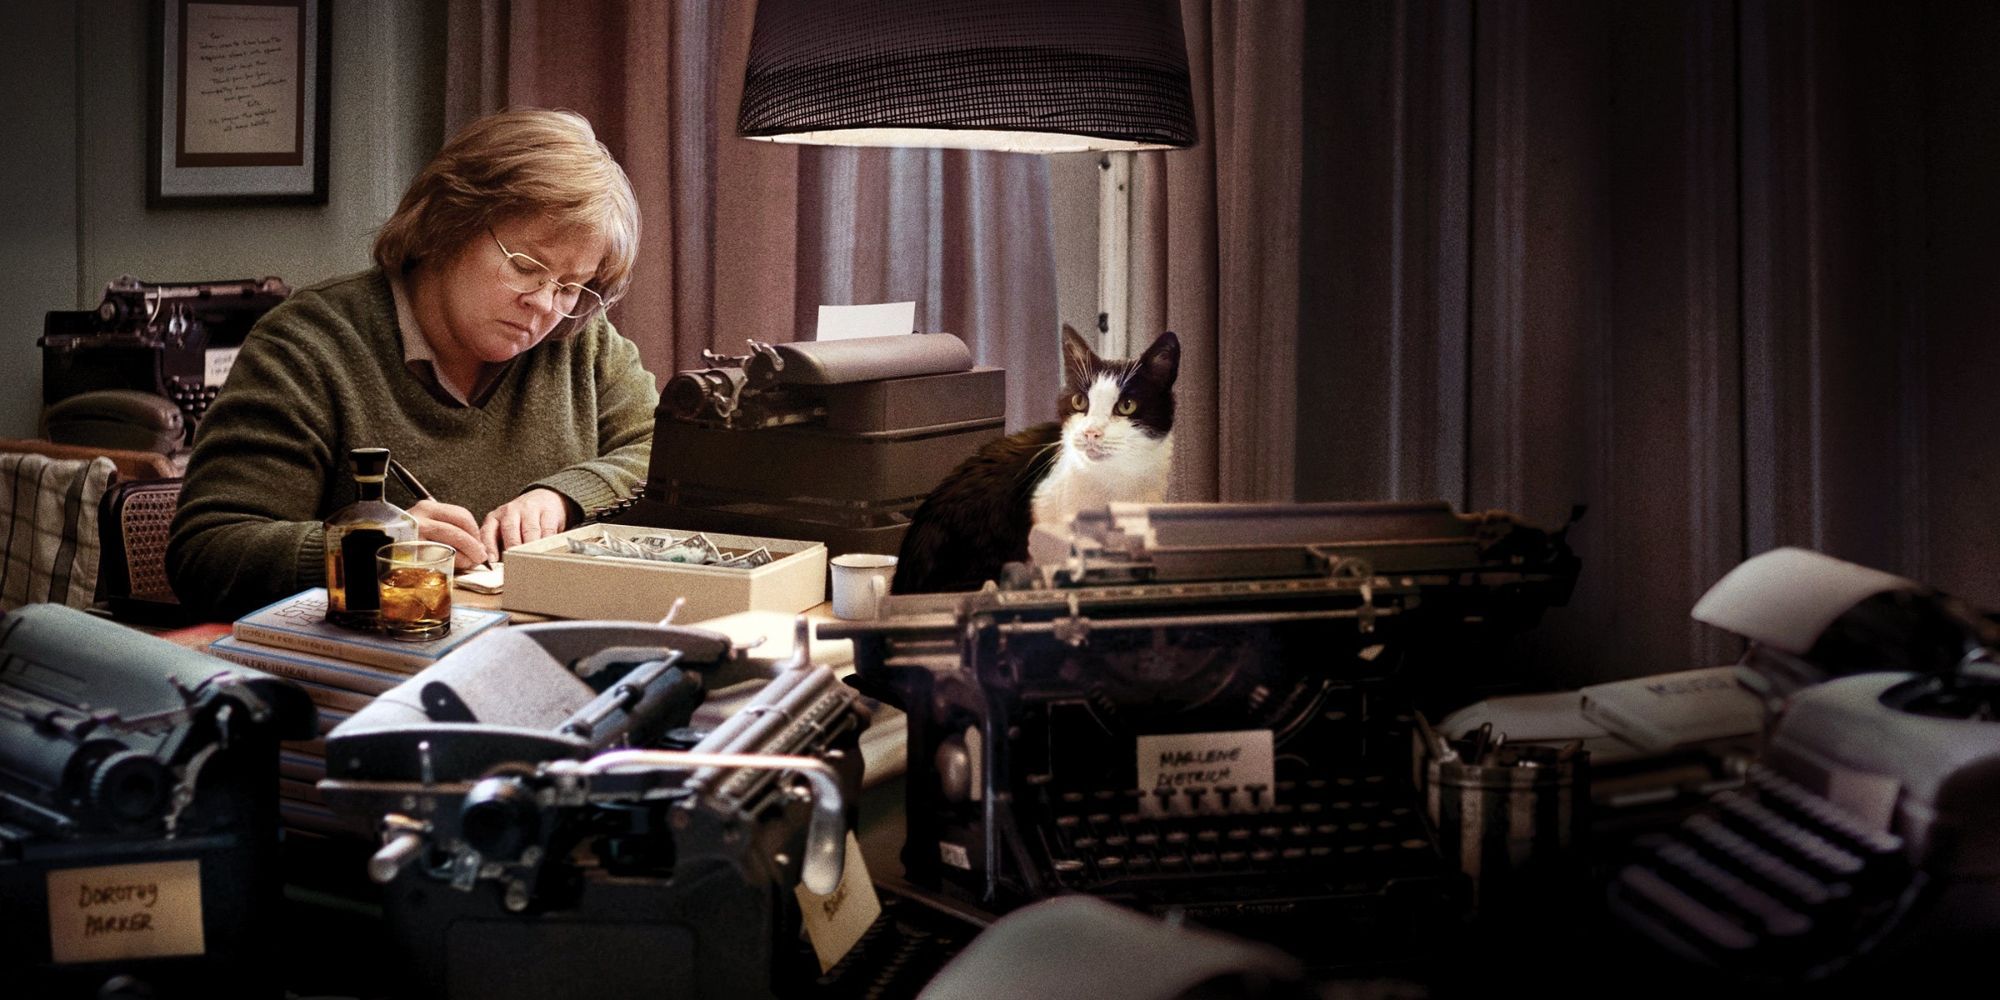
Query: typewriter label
pixel 219 361
pixel 836 921
pixel 1188 773
pixel 125 911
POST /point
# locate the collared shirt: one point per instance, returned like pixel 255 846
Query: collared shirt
pixel 422 360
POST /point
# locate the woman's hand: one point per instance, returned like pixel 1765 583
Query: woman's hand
pixel 454 526
pixel 537 513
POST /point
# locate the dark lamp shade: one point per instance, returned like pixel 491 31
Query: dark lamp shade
pixel 1041 76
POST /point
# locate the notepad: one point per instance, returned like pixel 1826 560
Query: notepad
pixel 483 581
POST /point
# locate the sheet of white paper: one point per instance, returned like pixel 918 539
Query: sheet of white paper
pixel 882 319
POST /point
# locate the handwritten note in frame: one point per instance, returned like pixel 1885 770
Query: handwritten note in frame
pixel 240 101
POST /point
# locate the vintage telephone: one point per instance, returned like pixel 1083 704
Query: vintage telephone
pixel 116 418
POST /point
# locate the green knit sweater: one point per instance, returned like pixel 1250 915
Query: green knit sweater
pixel 323 373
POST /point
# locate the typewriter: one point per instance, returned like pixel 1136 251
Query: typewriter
pixel 552 826
pixel 173 341
pixel 1202 709
pixel 138 812
pixel 834 442
pixel 1864 842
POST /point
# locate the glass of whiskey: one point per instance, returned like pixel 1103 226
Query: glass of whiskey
pixel 414 579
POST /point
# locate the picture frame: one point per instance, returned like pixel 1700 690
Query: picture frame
pixel 240 103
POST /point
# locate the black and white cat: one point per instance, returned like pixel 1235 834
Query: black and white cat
pixel 1113 444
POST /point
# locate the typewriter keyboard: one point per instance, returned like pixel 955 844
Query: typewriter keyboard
pixel 1770 879
pixel 192 398
pixel 1354 828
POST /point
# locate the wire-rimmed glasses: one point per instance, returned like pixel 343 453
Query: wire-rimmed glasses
pixel 526 275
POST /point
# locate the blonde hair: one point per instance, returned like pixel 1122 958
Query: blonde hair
pixel 528 162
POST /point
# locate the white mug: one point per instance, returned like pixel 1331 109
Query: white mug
pixel 859 581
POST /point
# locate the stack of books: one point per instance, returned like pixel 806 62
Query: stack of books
pixel 342 670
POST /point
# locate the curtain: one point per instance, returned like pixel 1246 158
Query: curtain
pixel 745 239
pixel 1215 252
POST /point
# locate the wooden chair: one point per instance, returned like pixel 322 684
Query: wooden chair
pixel 133 514
pixel 130 464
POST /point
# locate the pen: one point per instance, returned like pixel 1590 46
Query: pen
pixel 409 480
pixel 416 487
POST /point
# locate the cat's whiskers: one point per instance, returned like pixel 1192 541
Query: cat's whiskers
pixel 1028 468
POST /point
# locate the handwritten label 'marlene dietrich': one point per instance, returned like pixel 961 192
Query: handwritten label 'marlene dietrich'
pixel 1204 772
pixel 125 911
pixel 1195 767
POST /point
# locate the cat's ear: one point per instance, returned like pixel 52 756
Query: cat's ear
pixel 1078 359
pixel 1162 362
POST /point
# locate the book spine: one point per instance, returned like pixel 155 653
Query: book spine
pixel 300 791
pixel 373 656
pixel 298 767
pixel 321 685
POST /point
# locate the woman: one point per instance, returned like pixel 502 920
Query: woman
pixel 476 350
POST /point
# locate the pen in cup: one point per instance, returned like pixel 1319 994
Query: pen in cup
pixel 416 487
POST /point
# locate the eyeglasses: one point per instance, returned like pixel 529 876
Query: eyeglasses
pixel 526 275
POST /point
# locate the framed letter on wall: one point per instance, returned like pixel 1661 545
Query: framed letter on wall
pixel 239 103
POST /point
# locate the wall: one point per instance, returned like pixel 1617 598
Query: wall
pixel 38 205
pixel 75 169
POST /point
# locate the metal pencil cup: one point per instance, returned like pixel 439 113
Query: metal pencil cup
pixel 1514 823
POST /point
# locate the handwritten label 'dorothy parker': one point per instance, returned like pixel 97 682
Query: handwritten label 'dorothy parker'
pixel 125 911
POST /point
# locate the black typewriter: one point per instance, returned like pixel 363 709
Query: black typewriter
pixel 175 341
pixel 1201 709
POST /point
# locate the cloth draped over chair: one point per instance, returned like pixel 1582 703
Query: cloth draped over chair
pixel 48 528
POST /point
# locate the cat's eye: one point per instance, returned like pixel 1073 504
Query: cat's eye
pixel 1077 402
pixel 1127 407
